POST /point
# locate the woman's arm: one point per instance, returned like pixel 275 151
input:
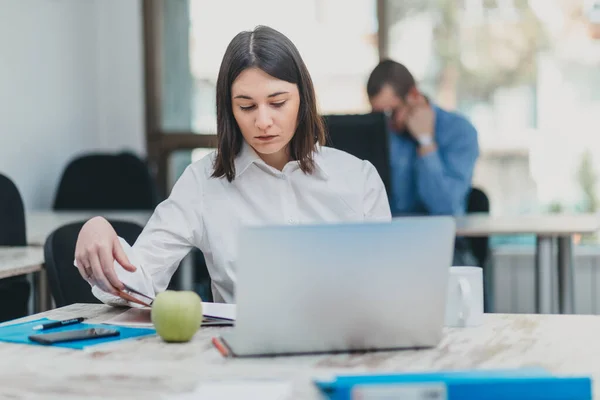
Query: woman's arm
pixel 169 235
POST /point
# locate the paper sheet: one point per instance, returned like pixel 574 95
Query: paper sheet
pixel 140 317
pixel 219 310
pixel 136 317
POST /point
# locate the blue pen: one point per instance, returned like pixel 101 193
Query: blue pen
pixel 57 324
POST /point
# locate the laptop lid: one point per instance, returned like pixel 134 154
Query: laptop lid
pixel 342 287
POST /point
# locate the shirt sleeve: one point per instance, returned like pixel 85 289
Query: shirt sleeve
pixel 166 239
pixel 444 175
pixel 376 203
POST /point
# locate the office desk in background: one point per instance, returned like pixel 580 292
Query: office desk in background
pixel 547 229
pixel 15 261
pixel 151 369
pixel 28 260
pixel 554 287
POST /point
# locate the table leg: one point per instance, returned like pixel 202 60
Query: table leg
pixel 31 303
pixel 43 299
pixel 543 274
pixel 566 301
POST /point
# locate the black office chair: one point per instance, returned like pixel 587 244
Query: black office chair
pixel 66 284
pixel 14 291
pixel 106 182
pixel 203 283
pixel 478 202
pixel 365 136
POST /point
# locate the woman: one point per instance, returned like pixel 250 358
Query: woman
pixel 269 168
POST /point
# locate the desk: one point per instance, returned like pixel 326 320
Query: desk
pixel 15 261
pixel 150 369
pixel 548 229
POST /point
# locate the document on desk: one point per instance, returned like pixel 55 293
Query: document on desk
pixel 238 389
pixel 141 317
pixel 219 310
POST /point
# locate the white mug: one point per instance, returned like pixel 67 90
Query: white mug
pixel 464 304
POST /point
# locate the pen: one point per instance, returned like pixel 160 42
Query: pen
pixel 56 324
pixel 220 347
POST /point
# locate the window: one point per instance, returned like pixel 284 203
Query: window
pixel 525 73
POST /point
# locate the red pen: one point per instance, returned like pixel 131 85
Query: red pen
pixel 221 347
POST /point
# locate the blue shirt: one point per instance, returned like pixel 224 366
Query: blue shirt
pixel 437 183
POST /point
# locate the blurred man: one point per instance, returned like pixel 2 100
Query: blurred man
pixel 432 151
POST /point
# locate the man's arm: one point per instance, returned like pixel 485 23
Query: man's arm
pixel 444 174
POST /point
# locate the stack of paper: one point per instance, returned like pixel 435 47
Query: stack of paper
pixel 141 317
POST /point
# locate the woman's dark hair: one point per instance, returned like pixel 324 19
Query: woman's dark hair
pixel 272 52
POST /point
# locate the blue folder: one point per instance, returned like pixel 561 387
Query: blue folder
pixel 18 333
pixel 514 384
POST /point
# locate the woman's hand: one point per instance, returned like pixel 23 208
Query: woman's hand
pixel 96 250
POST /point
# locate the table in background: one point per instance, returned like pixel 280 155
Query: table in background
pixel 28 260
pixel 148 368
pixel 547 229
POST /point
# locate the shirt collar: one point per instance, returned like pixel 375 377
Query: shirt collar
pixel 320 162
pixel 245 158
pixel 248 156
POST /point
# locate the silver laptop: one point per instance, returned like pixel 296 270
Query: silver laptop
pixel 343 287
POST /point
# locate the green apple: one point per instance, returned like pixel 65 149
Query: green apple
pixel 177 315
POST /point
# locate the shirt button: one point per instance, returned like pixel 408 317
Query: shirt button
pixel 291 221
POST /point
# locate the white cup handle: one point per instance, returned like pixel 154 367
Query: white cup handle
pixel 466 299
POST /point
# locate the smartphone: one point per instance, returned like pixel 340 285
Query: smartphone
pixel 69 336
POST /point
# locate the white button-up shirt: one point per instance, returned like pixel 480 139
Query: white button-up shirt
pixel 208 212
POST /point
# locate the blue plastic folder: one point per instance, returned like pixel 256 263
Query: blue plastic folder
pixel 514 384
pixel 18 333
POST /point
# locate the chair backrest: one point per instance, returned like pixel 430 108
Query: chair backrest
pixel 106 182
pixel 12 215
pixel 478 202
pixel 364 136
pixel 66 284
pixel 14 292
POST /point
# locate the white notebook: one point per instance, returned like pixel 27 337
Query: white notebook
pixel 140 317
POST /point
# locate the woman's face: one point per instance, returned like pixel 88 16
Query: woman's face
pixel 266 110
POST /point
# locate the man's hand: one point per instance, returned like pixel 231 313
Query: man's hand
pixel 421 118
pixel 421 124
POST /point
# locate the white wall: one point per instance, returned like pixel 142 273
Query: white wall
pixel 120 82
pixel 70 82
